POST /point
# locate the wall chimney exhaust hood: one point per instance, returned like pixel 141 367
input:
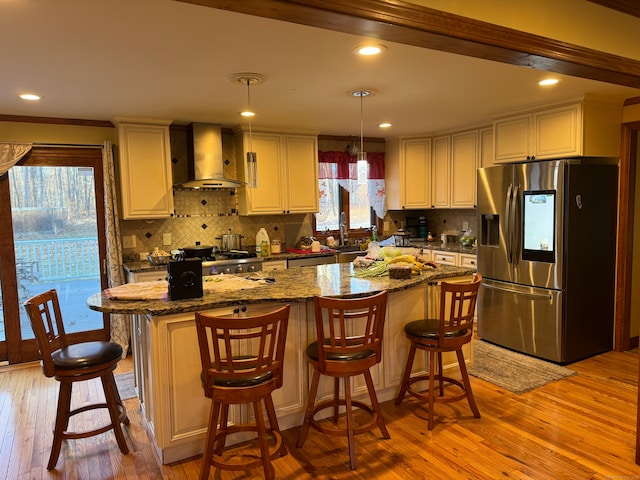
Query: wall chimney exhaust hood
pixel 204 156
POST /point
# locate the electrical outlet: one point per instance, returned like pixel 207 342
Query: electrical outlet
pixel 465 226
pixel 386 226
pixel 166 239
pixel 143 256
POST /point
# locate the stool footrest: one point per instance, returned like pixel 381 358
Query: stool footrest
pixel 275 451
pixel 342 431
pixel 122 418
pixel 424 394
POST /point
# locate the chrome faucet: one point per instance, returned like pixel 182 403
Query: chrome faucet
pixel 343 229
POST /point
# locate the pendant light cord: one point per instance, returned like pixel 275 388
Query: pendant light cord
pixel 361 124
pixel 249 107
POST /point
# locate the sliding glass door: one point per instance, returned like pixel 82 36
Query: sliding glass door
pixel 52 237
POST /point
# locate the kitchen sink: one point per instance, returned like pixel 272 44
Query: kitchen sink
pixel 349 255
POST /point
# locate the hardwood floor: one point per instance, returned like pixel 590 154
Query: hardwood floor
pixel 582 427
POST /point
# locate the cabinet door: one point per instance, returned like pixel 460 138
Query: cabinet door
pixel 145 171
pixel 269 195
pixel 464 162
pixel 441 179
pixel 416 175
pixel 486 147
pixel 512 139
pixel 558 132
pixel 301 173
pixel 404 306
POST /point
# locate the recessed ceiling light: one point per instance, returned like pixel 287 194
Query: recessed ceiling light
pixel 247 113
pixel 30 96
pixel 368 50
pixel 548 81
pixel 384 125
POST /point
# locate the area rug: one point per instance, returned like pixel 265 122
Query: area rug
pixel 124 381
pixel 513 371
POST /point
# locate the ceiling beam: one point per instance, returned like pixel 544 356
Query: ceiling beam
pixel 630 7
pixel 407 23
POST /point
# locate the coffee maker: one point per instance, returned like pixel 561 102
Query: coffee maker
pixel 416 227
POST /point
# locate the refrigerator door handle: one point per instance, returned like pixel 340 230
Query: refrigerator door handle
pixel 515 225
pixel 541 296
pixel 507 208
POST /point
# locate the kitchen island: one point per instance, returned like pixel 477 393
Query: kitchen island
pixel 166 357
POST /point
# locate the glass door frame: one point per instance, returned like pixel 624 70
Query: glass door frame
pixel 14 349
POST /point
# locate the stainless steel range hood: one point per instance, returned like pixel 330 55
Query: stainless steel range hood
pixel 204 154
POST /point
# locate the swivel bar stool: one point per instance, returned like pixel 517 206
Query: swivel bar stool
pixel 448 333
pixel 349 333
pixel 69 363
pixel 242 362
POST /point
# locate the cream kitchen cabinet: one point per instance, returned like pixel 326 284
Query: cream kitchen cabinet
pixel 454 165
pixel 408 174
pixel 144 168
pixel 441 172
pixel 287 173
pixel 445 257
pixel 579 128
pixel 464 164
pixel 486 147
pixel 177 419
pixel 274 265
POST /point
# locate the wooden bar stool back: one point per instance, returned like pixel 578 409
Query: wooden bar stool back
pixel 69 363
pixel 449 333
pixel 350 333
pixel 242 362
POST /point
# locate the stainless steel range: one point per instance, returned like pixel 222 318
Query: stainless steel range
pixel 231 262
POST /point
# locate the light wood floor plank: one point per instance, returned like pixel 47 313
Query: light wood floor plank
pixel 579 428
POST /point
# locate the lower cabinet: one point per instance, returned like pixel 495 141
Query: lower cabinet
pixel 172 397
pixel 168 371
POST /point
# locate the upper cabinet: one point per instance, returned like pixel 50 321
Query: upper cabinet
pixel 578 128
pixel 287 173
pixel 441 172
pixel 464 163
pixel 454 165
pixel 485 149
pixel 408 173
pixel 144 168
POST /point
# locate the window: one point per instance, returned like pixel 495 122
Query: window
pixel 354 189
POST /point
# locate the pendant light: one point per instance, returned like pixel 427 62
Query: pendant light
pixel 249 79
pixel 362 155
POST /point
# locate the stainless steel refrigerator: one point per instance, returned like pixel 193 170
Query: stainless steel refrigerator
pixel 546 250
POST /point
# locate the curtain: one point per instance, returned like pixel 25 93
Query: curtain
pixel 343 167
pixel 11 153
pixel 120 325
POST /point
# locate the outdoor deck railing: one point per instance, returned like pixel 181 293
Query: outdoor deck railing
pixel 59 259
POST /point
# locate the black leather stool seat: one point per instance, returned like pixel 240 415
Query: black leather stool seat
pixel 312 353
pixel 86 355
pixel 430 329
pixel 240 381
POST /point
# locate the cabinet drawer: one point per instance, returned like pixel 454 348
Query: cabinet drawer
pixel 445 258
pixel 469 261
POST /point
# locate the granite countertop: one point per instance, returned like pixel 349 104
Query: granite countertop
pixel 447 247
pixel 291 285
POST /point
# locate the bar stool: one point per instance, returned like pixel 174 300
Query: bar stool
pixel 449 333
pixel 70 363
pixel 351 332
pixel 242 362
